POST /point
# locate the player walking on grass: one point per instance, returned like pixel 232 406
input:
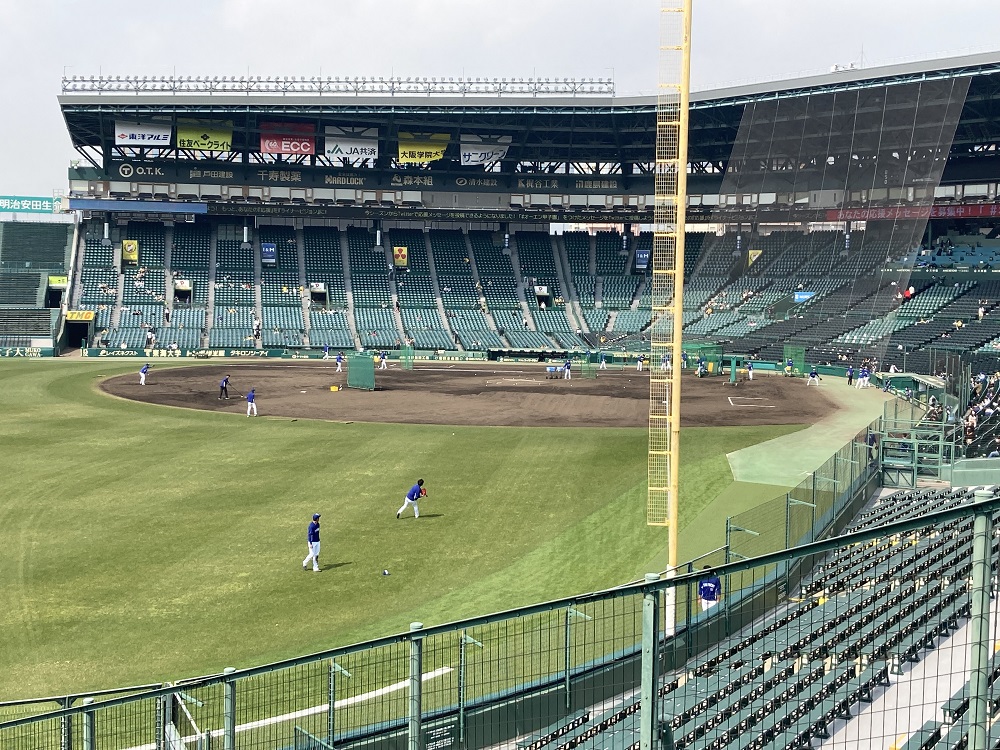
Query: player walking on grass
pixel 312 540
pixel 142 374
pixel 251 402
pixel 224 388
pixel 416 492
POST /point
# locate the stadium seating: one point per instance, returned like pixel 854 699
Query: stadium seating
pixel 152 242
pixel 322 249
pixel 191 247
pixel 35 245
pixel 19 289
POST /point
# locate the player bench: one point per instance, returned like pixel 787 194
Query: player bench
pixel 553 372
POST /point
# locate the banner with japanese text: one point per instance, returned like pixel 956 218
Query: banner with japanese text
pixel 27 204
pixel 205 135
pixel 476 149
pixel 287 138
pixel 346 143
pixel 141 135
pixel 422 148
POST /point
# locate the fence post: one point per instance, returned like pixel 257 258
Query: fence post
pixel 229 712
pixel 66 727
pixel 89 727
pixel 979 623
pixel 650 667
pixel 331 724
pixel 416 669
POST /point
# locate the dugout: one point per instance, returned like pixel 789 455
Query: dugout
pixel 712 354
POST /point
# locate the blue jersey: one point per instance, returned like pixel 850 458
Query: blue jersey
pixel 224 382
pixel 414 493
pixel 567 365
pixel 313 534
pixel 340 357
pixel 251 396
pixel 850 371
pixel 709 589
pixel 145 369
pixel 749 365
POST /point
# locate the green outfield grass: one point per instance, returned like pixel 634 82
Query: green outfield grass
pixel 141 543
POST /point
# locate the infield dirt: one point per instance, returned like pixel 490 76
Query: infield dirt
pixel 488 394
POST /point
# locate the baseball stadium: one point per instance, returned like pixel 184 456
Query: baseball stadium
pixel 703 389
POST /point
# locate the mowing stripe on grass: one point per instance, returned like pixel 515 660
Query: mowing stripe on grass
pixel 394 688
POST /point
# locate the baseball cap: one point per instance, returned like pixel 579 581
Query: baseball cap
pixel 315 516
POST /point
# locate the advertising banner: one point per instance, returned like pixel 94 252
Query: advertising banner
pixel 974 211
pixel 287 138
pixel 26 204
pixel 421 148
pixel 268 254
pixel 642 258
pixel 803 297
pixel 343 143
pixel 752 255
pixel 130 251
pixel 205 135
pixel 58 282
pixel 84 316
pixel 475 149
pixel 400 256
pixel 140 135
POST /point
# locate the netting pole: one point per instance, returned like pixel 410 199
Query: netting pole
pixel 416 666
pixel 650 663
pixel 979 624
pixel 89 728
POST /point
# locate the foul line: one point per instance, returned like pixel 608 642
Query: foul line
pixel 394 688
pixel 750 398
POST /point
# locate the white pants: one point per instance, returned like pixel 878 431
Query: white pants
pixel 339 365
pixel 663 367
pixel 313 555
pixel 707 604
pixel 142 378
pixel 749 374
pixel 812 381
pixel 252 406
pixel 638 366
pixel 381 365
pixel 604 365
pixel 326 355
pixel 407 503
pixel 567 375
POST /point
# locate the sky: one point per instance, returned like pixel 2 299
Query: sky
pixel 733 41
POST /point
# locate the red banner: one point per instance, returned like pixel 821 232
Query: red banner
pixel 287 138
pixel 891 213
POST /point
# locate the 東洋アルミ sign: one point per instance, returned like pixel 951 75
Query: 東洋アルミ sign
pixel 27 204
pixel 140 135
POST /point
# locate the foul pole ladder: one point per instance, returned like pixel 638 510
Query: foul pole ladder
pixel 673 94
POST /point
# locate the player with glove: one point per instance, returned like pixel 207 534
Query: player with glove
pixel 416 492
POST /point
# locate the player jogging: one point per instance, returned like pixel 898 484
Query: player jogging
pixel 142 374
pixel 604 364
pixel 416 492
pixel 638 362
pixel 326 351
pixel 224 388
pixel 312 541
pixel 251 402
pixel 382 357
pixel 340 361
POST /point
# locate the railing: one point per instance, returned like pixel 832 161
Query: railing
pixel 616 663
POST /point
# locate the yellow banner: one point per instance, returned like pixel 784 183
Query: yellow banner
pixel 58 282
pixel 400 256
pixel 80 315
pixel 130 251
pixel 754 254
pixel 420 149
pixel 205 135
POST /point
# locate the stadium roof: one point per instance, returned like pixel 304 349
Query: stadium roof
pixel 547 133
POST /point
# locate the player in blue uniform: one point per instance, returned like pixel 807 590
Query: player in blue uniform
pixel 340 361
pixel 382 357
pixel 312 541
pixel 326 351
pixel 142 374
pixel 850 375
pixel 224 388
pixel 813 378
pixel 709 590
pixel 604 364
pixel 416 492
pixel 251 402
pixel 749 370
pixel 567 373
